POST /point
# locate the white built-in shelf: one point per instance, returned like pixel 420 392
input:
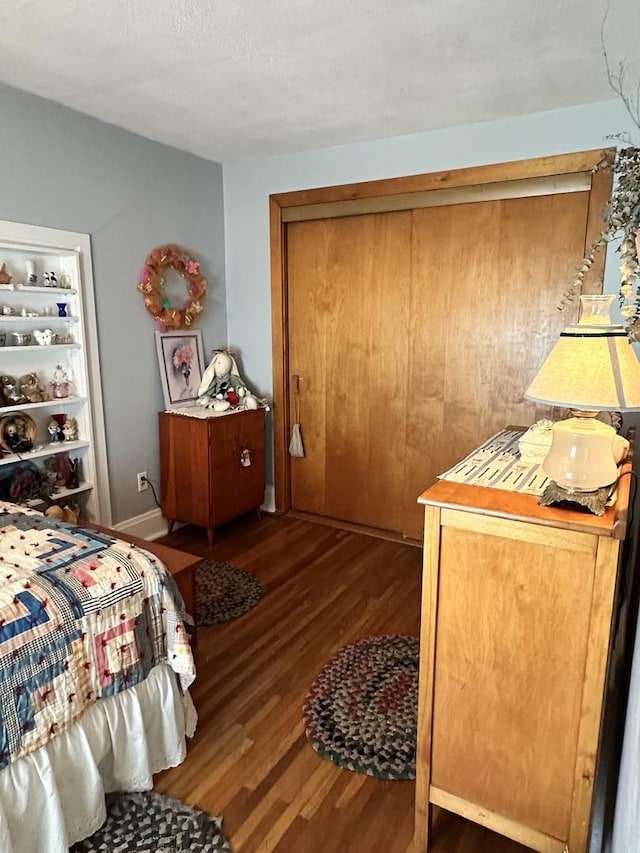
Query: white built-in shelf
pixel 39 318
pixel 51 449
pixel 58 401
pixel 30 252
pixel 36 288
pixel 31 347
pixel 60 492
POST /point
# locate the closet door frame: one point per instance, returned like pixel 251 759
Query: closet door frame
pixel 398 194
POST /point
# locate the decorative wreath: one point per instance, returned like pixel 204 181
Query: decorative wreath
pixel 151 285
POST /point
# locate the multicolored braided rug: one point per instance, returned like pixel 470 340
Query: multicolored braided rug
pixel 362 710
pixel 224 592
pixel 152 823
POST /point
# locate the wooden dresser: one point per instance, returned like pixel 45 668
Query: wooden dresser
pixel 517 613
pixel 212 469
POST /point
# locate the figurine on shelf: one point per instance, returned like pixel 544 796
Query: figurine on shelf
pixel 16 439
pixel 50 473
pixel 11 391
pixel 5 277
pixel 31 388
pixel 59 383
pixel 54 431
pixel 44 337
pixel 70 429
pixel 73 478
pixel 30 267
pixel 62 466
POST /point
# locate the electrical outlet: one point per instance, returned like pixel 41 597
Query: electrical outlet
pixel 143 483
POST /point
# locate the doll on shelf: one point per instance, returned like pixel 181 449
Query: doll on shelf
pixel 16 439
pixel 70 429
pixel 53 428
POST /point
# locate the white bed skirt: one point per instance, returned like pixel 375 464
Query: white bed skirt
pixel 54 796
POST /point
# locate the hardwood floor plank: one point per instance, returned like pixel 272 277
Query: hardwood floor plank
pixel 250 761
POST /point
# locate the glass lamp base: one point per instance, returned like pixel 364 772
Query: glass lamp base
pixel 594 501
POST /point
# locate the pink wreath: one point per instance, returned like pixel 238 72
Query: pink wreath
pixel 151 285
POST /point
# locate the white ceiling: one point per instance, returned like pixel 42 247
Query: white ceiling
pixel 237 78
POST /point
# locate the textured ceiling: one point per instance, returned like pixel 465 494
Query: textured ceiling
pixel 238 78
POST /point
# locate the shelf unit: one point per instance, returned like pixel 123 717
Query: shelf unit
pixel 68 254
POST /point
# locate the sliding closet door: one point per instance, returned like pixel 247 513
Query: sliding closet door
pixel 486 282
pixel 349 313
pixel 414 334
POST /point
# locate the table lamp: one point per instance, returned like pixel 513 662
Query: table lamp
pixel 592 368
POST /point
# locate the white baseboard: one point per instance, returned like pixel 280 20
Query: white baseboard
pixel 150 525
pixel 269 504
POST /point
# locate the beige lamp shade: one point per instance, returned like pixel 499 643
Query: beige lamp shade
pixel 592 366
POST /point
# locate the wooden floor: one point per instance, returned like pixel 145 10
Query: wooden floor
pixel 250 760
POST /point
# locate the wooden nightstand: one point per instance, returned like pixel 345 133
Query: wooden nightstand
pixel 517 613
pixel 212 469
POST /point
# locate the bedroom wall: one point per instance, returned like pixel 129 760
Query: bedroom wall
pixel 61 169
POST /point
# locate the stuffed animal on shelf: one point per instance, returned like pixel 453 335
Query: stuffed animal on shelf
pixel 222 388
pixel 31 388
pixel 50 473
pixel 69 513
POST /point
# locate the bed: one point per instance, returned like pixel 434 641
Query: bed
pixel 94 661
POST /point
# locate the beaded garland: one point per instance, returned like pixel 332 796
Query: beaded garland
pixel 151 285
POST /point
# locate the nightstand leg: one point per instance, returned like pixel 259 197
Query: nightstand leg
pixel 259 514
pixel 210 536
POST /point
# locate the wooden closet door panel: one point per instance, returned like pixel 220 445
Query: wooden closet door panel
pixel 487 279
pixel 349 285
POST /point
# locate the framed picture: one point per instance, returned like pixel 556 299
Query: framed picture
pixel 181 359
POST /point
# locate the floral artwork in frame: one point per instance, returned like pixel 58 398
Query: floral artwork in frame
pixel 181 360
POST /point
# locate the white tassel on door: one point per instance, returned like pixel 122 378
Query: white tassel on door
pixel 296 446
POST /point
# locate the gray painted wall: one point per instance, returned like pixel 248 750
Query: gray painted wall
pixel 61 169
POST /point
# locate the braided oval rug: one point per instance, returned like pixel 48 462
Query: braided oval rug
pixel 362 710
pixel 224 592
pixel 151 823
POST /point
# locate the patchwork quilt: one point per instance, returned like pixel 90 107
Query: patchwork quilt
pixel 82 616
